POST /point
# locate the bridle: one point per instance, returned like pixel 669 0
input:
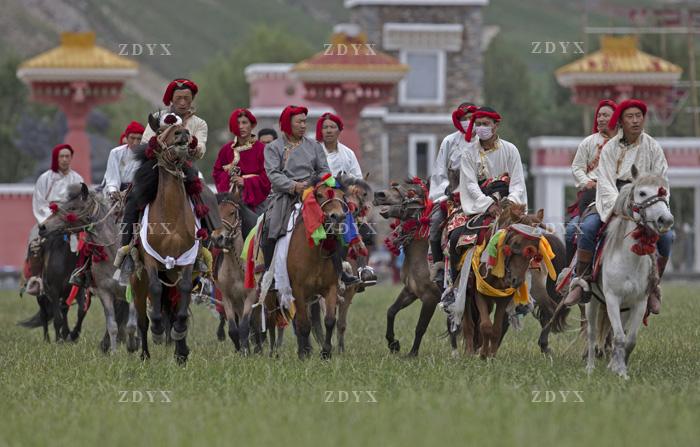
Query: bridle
pixel 638 211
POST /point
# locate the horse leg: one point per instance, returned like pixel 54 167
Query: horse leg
pixel 429 303
pixel 634 321
pixel 131 327
pixel 233 330
pixel 592 309
pixel 343 322
pixel 330 321
pixel 485 325
pixel 617 362
pixel 500 322
pixel 179 329
pixel 468 327
pixel 316 326
pixel 44 314
pixel 404 299
pixel 74 334
pixel 139 289
pixel 110 320
pixel 155 293
pixel 220 333
pixel 302 328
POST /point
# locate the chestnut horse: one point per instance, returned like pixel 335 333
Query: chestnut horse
pixel 311 271
pixel 171 209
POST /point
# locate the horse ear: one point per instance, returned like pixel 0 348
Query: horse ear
pixel 84 191
pixel 367 176
pixel 540 214
pixel 153 122
pixel 635 172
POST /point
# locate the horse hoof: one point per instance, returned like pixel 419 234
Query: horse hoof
pixel 158 339
pixel 220 335
pixel 394 346
pixel 325 355
pixel 455 354
pixel 181 360
pixel 73 337
pixel 132 344
pixel 412 355
pixel 104 346
pixel 177 336
pixel 145 355
pixel 245 352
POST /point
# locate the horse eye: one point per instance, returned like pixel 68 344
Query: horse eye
pixel 643 194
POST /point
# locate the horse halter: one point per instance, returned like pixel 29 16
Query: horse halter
pixel 529 252
pixel 639 209
pixel 411 204
pixel 232 227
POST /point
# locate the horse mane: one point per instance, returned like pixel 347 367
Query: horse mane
pixel 349 180
pixel 140 152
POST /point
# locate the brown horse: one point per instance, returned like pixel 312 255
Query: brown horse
pixel 170 210
pixel 238 302
pixel 406 203
pixel 521 250
pixel 311 270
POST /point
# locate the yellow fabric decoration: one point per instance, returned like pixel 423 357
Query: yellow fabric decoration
pixel 520 295
pixel 547 256
pixel 306 192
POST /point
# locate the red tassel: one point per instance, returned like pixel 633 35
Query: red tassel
pixel 193 142
pixel 53 207
pixel 662 191
pixel 506 250
pixel 170 119
pixel 202 234
pixel 153 143
pixel 71 297
pixel 71 218
pixel 201 210
pixel 194 187
pixel 330 193
pixel 150 153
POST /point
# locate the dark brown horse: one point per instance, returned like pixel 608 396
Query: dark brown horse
pixel 406 203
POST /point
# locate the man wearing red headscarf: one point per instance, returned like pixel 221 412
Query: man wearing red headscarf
pixel 630 147
pixel 122 164
pixel 340 157
pixel 178 98
pixel 51 186
pixel 242 161
pixel 448 158
pixel 583 167
pixel 290 162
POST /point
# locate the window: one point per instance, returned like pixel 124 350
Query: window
pixel 425 82
pixel 421 154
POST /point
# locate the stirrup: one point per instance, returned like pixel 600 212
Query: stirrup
pixel 367 276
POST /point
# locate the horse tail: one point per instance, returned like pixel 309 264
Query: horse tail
pixel 36 320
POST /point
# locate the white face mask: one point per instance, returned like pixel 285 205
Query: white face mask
pixel 484 132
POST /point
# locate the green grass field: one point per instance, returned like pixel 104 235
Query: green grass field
pixel 70 394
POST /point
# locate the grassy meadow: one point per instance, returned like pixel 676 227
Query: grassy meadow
pixel 72 394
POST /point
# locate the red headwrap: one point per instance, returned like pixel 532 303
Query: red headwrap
pixel 54 155
pixel 624 105
pixel 134 127
pixel 479 113
pixel 601 104
pixel 178 84
pixel 286 117
pixel 460 113
pixel 327 116
pixel 233 120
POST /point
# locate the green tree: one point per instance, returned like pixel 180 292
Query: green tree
pixel 16 164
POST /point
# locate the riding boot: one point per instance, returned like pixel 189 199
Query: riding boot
pixel 580 291
pixel 348 280
pixel 654 301
pixel 366 274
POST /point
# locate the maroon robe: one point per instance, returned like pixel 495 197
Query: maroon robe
pixel 252 162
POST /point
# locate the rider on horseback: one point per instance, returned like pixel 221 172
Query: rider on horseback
pixel 448 158
pixel 490 170
pixel 122 164
pixel 631 147
pixel 290 162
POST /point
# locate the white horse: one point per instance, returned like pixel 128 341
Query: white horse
pixel 626 276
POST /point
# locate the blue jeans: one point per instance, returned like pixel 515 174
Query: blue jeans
pixel 591 225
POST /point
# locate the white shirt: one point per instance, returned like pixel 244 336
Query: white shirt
pixel 197 127
pixel 585 161
pixel 505 158
pixel 448 158
pixel 121 166
pixel 646 155
pixel 51 187
pixel 343 160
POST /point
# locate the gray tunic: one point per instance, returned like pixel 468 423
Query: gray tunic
pixel 303 162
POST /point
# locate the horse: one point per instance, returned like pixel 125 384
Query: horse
pixel 408 203
pixel 237 301
pixel 628 267
pixel 310 268
pixel 171 234
pixel 92 214
pixel 58 263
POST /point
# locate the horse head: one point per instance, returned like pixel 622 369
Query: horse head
pixel 332 203
pixel 513 213
pixel 229 209
pixel 645 200
pixel 402 201
pixel 173 143
pixel 520 248
pixel 73 214
pixel 357 195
